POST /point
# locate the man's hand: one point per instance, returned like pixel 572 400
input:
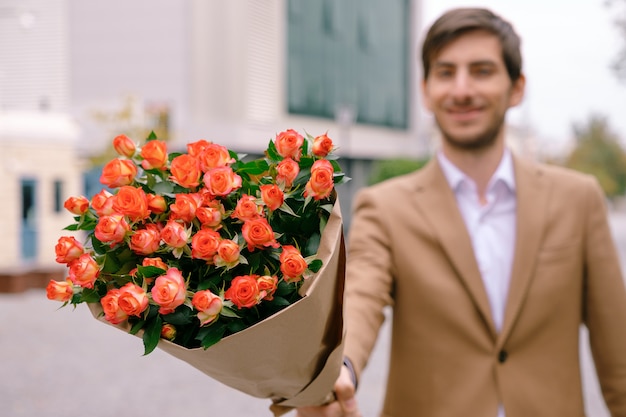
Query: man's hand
pixel 345 406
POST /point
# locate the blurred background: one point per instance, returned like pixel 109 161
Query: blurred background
pixel 76 73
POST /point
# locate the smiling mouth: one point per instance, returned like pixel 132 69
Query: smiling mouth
pixel 464 114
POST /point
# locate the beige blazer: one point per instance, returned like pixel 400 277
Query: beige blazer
pixel 408 247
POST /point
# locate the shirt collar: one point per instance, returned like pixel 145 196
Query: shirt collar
pixel 455 177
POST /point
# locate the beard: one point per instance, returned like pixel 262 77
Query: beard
pixel 481 140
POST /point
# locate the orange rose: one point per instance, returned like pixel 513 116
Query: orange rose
pixel 244 291
pixel 111 229
pixel 211 215
pixel 321 183
pixel 156 203
pixel 132 299
pixel 77 205
pixel 102 203
pixel 196 148
pixel 84 271
pixel 156 262
pixel 267 286
pixel 272 196
pixel 60 290
pixel 118 172
pixel 208 305
pixel 204 244
pixel 322 145
pixel 68 249
pixel 175 235
pixel 214 156
pixel 258 234
pixel 132 203
pixel 185 206
pixel 288 171
pixel 247 209
pixel 154 154
pixel 168 331
pixel 169 291
pixel 292 264
pixel 227 255
pixel 124 146
pixel 112 312
pixel 289 144
pixel 221 181
pixel 145 241
pixel 185 171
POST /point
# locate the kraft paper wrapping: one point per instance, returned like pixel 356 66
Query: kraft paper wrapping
pixel 292 357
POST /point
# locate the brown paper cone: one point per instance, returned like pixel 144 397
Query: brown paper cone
pixel 292 357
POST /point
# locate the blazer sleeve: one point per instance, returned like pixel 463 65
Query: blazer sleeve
pixel 368 277
pixel 605 303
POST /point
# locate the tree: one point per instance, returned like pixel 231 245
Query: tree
pixel 598 152
pixel 134 119
pixel 619 64
pixel 389 168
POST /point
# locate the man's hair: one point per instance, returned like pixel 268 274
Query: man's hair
pixel 457 22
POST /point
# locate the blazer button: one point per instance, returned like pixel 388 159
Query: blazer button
pixel 502 356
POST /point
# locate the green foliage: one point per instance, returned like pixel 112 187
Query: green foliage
pixel 599 153
pixel 389 168
pixel 619 63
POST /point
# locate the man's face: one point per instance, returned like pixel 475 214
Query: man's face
pixel 468 90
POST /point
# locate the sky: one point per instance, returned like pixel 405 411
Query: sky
pixel 567 49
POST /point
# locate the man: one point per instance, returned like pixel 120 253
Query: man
pixel 491 263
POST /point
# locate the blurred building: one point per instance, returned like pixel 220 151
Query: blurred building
pixel 235 72
pixel 38 161
pixel 238 72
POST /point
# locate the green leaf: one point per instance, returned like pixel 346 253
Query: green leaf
pixel 256 167
pixel 285 207
pixel 137 326
pixel 180 317
pixel 237 326
pixel 272 153
pixel 228 312
pixel 163 188
pixel 89 296
pixel 315 265
pixel 151 136
pixel 279 302
pixel 212 334
pixel 150 271
pixel 152 334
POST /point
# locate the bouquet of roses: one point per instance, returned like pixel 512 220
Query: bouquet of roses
pixel 191 250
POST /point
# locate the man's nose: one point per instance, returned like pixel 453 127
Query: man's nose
pixel 462 86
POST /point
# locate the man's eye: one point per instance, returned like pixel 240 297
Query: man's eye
pixel 444 73
pixel 482 71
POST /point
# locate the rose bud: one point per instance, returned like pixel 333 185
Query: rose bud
pixel 322 145
pixel 124 146
pixel 77 205
pixel 60 290
pixel 168 331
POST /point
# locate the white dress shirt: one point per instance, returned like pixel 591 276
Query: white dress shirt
pixel 491 226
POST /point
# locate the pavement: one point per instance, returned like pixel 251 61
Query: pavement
pixel 63 363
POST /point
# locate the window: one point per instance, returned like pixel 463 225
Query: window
pixel 349 54
pixel 58 196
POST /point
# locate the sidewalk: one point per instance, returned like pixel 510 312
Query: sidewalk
pixel 63 363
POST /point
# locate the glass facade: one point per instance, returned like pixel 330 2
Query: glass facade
pixel 349 57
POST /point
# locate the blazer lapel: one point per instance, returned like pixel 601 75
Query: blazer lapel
pixel 438 204
pixel 532 198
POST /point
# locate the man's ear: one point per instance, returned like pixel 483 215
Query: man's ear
pixel 517 91
pixel 425 97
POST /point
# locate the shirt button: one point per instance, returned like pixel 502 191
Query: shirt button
pixel 502 356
